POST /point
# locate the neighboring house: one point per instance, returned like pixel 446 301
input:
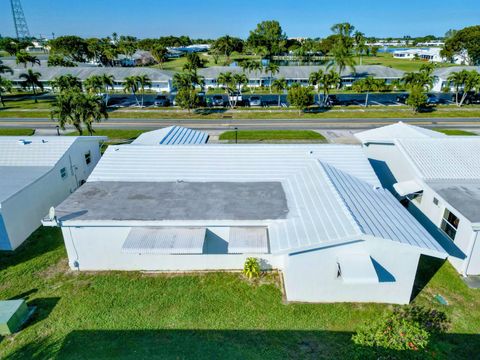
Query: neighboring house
pixel 430 54
pixel 441 76
pixel 161 79
pixel 37 173
pixel 172 135
pixel 299 74
pixel 439 178
pixel 315 212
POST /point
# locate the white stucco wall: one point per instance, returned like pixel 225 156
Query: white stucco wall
pixel 312 276
pixel 100 248
pixel 23 212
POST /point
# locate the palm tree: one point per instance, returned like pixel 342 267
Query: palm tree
pixel 130 84
pixel 22 57
pixel 457 79
pixel 5 86
pixel 273 69
pixel 94 84
pixel 182 81
pixel 159 53
pixel 77 109
pixel 144 81
pixel 472 82
pixel 367 84
pixel 5 69
pixel 226 79
pixel 360 47
pixel 255 67
pixel 108 81
pixel 330 79
pixel 66 82
pixel 279 85
pixel 238 80
pixel 316 78
pixel 32 81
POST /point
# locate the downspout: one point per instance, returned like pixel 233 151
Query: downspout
pixel 470 253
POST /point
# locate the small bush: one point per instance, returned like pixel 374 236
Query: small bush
pixel 251 269
pixel 432 320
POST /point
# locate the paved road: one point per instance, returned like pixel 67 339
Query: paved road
pixel 221 124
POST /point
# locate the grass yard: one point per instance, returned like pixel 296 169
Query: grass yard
pixel 273 135
pixel 116 136
pixel 387 59
pixel 16 132
pixel 120 315
pixel 456 132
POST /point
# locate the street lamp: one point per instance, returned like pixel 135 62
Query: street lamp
pixel 58 130
pixel 236 135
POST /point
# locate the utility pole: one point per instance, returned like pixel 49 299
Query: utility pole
pixel 21 27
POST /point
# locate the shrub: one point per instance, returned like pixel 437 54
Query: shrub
pixel 300 97
pixel 432 320
pixel 392 332
pixel 187 99
pixel 251 268
pixel 417 98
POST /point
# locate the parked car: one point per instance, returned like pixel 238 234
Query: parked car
pixel 332 100
pixel 217 100
pixel 471 98
pixel 235 97
pixel 255 101
pixel 402 99
pixel 162 101
pixel 433 100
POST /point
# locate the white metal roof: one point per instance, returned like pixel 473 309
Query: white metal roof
pixel 378 213
pixel 450 158
pixel 319 211
pixel 248 240
pixel 399 130
pixel 172 135
pixel 407 187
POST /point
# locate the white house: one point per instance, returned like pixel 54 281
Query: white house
pixel 315 212
pixel 441 76
pixel 439 177
pixel 36 173
pixel 430 54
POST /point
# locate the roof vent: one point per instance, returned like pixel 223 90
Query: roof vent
pixel 376 187
pixel 24 142
pixel 44 141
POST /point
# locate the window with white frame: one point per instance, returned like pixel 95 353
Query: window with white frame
pixel 63 173
pixel 450 224
pixel 88 158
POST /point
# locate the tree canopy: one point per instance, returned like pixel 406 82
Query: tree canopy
pixel 467 39
pixel 268 37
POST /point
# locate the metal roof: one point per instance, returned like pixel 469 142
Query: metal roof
pixel 399 130
pixel 248 240
pixel 450 158
pixel 378 213
pixel 303 72
pixel 172 135
pixel 443 73
pixel 83 72
pixel 15 178
pixel 317 213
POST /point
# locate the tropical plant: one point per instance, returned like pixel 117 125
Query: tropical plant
pixel 5 86
pixel 273 69
pixel 194 62
pixel 78 109
pixel 130 84
pixel 66 82
pixel 300 97
pixel 466 81
pixel 188 80
pixel 23 57
pixel 5 69
pixel 187 99
pixel 227 82
pixel 279 85
pixel 31 80
pixel 251 268
pixel 368 84
pixel 417 98
pixel 316 80
pixel 160 53
pixel 226 45
pixel 143 82
pixel 108 82
pixel 94 84
pixel 59 60
pixel 360 47
pixel 239 80
pixel 342 51
pixel 256 67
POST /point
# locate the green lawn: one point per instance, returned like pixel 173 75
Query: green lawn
pixel 400 64
pixel 115 135
pixel 273 135
pixel 456 132
pixel 120 315
pixel 16 132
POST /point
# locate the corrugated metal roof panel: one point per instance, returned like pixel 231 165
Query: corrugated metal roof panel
pixel 248 240
pixel 452 158
pixel 165 241
pixel 378 213
pixel 172 135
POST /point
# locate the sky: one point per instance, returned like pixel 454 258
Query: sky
pixel 214 18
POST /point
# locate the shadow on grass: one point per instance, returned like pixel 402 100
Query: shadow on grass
pixel 232 344
pixel 209 111
pixel 317 110
pixel 43 240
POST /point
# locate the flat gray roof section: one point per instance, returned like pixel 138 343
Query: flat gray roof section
pixel 157 201
pixel 464 196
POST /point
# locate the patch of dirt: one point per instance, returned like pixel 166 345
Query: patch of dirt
pixel 60 268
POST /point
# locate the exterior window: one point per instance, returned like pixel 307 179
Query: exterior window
pixel 88 157
pixel 435 201
pixel 63 173
pixel 450 224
